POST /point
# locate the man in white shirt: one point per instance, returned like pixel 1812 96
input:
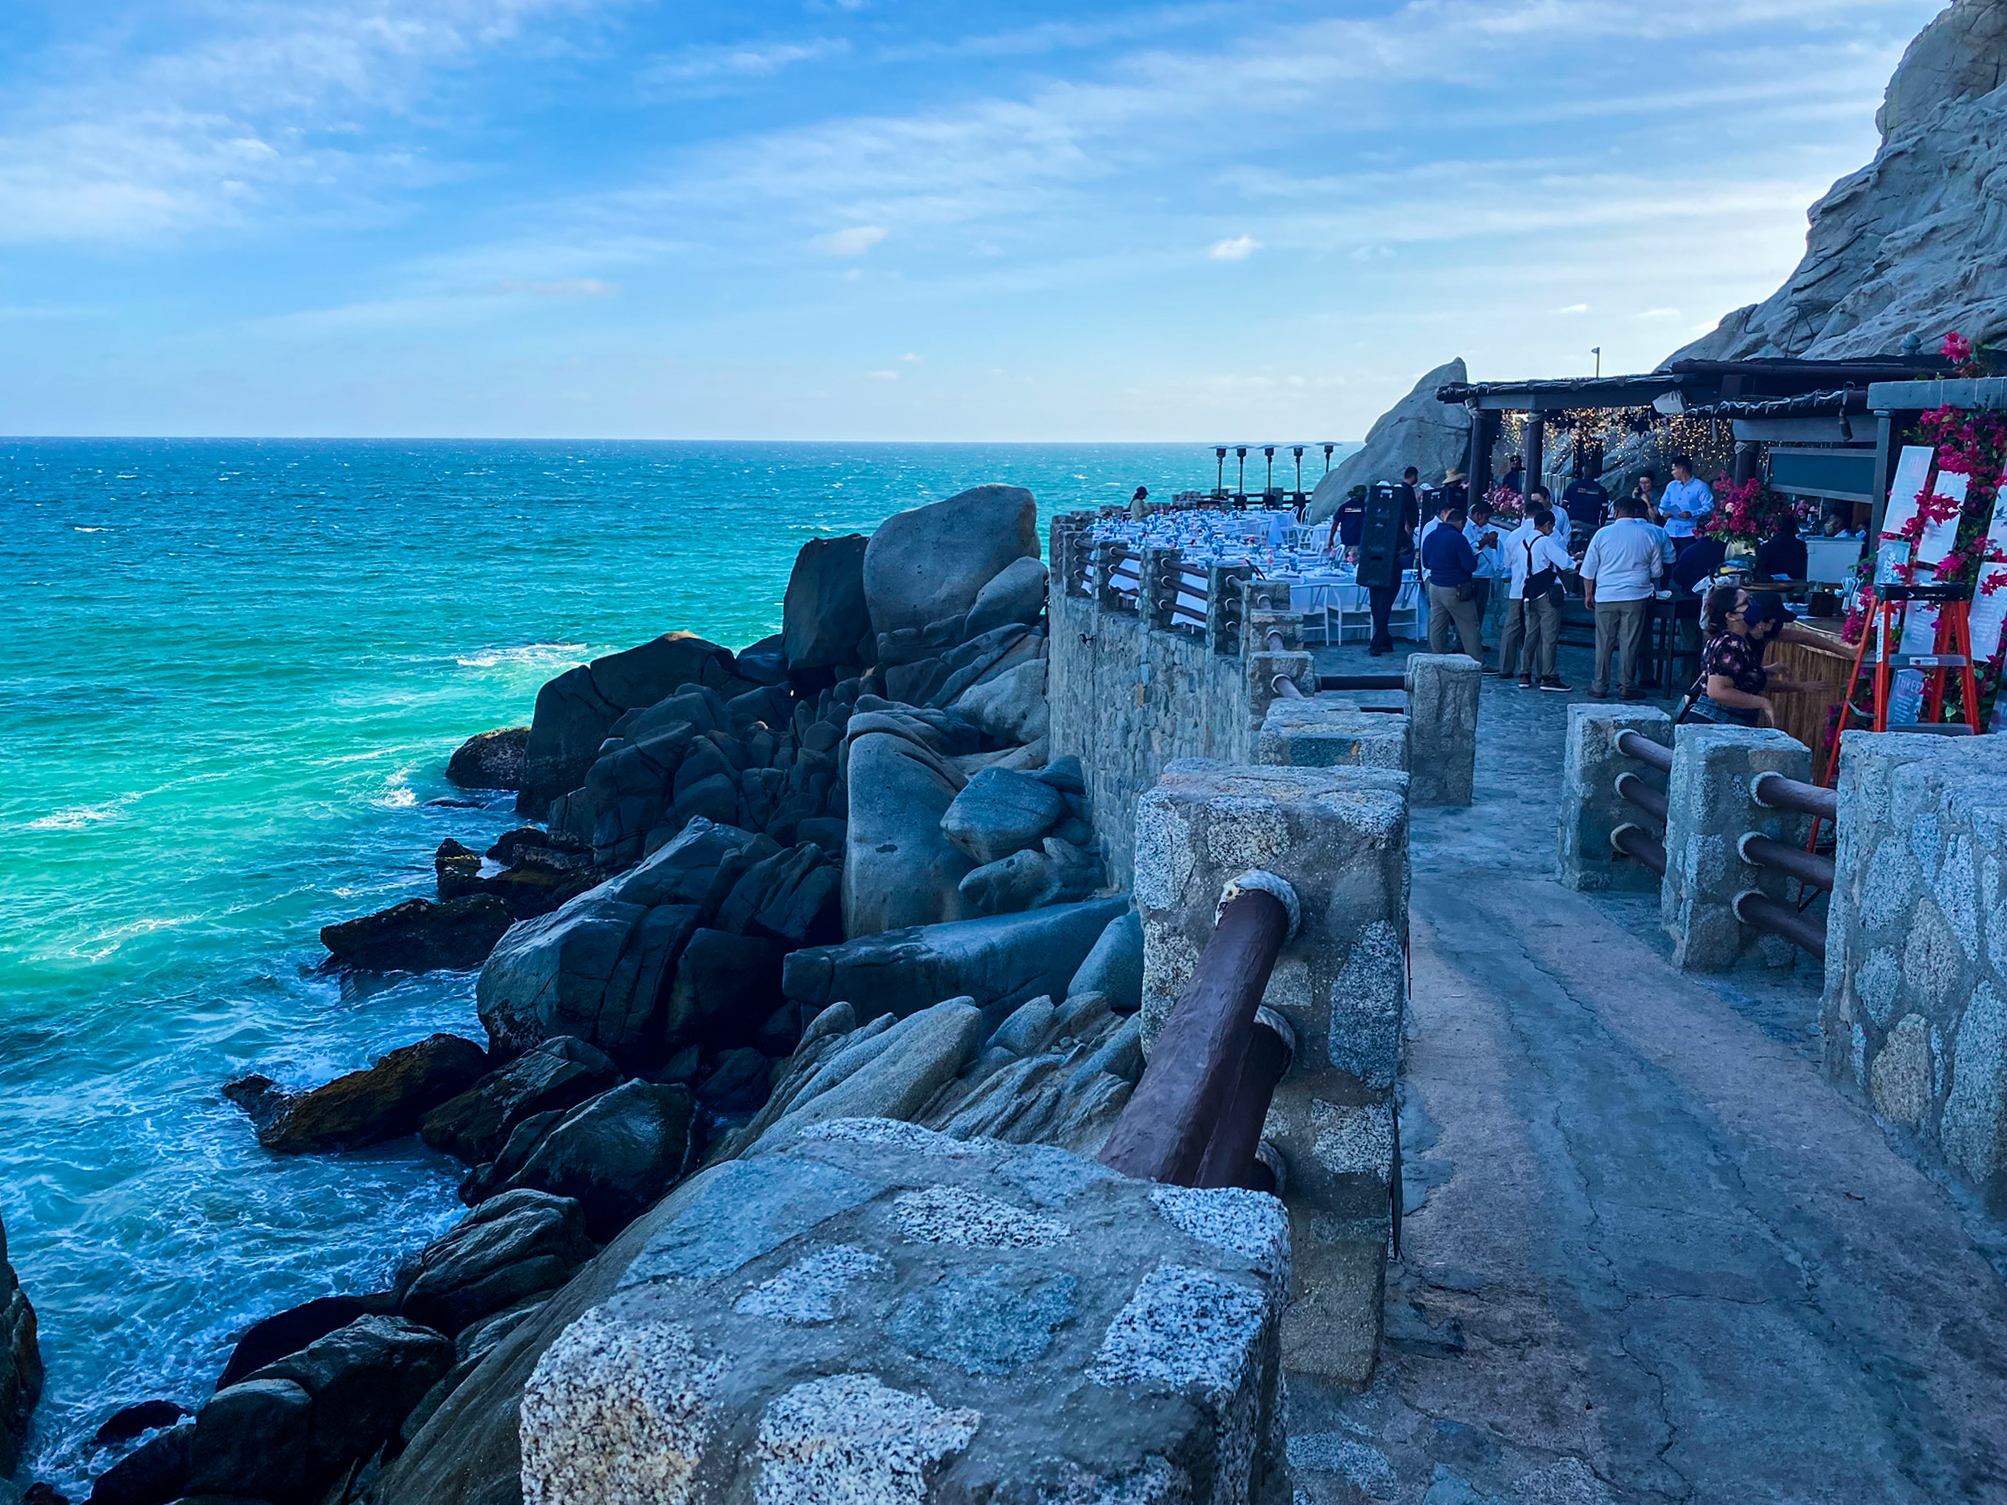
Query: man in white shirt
pixel 1536 559
pixel 1686 502
pixel 1484 541
pixel 1620 575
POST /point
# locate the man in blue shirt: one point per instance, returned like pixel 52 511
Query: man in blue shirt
pixel 1451 566
pixel 1686 502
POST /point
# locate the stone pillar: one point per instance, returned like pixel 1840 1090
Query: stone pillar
pixel 1591 808
pixel 1915 1005
pixel 1340 838
pixel 1708 809
pixel 1442 727
pixel 876 1312
pixel 1324 731
pixel 1226 605
pixel 1159 591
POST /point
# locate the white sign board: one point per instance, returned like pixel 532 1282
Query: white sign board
pixel 1919 633
pixel 1989 612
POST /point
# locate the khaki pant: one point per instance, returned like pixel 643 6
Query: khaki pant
pixel 1543 636
pixel 1620 625
pixel 1509 636
pixel 1444 609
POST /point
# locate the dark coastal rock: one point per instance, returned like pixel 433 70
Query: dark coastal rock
pixel 543 881
pixel 824 616
pixel 557 1075
pixel 20 1363
pixel 1008 886
pixel 615 1155
pixel 764 662
pixel 1000 962
pixel 360 1380
pixel 272 1338
pixel 929 564
pixel 130 1422
pixel 793 897
pixel 457 871
pixel 899 869
pixel 726 985
pixel 575 711
pixel 1000 812
pixel 509 1248
pixel 386 1101
pixel 153 1473
pixel 1066 775
pixel 1011 707
pixel 737 1082
pixel 255 1437
pixel 511 844
pixel 419 936
pixel 491 760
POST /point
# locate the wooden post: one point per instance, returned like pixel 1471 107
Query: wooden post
pixel 1478 484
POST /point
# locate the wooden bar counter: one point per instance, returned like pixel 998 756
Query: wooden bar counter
pixel 1804 715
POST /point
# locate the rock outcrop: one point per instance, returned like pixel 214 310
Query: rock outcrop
pixel 926 567
pixel 20 1363
pixel 1417 431
pixel 824 619
pixel 1915 243
pixel 419 936
pixel 576 710
pixel 384 1101
pixel 490 760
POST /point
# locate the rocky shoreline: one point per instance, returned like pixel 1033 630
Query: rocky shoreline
pixel 829 875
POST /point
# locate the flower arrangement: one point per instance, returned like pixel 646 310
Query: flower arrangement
pixel 1744 510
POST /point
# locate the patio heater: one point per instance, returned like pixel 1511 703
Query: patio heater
pixel 1327 457
pixel 1219 477
pixel 1299 468
pixel 1268 485
pixel 1240 486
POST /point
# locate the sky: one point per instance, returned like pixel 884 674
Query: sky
pixel 888 219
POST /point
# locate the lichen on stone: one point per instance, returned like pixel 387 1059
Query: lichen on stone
pixel 805 1292
pixel 955 1215
pixel 1184 1327
pixel 1249 1223
pixel 850 1439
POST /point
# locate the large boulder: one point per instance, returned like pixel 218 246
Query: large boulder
pixel 490 760
pixel 509 1248
pixel 558 1074
pixel 384 1101
pixel 598 969
pixel 1010 707
pixel 256 1437
pixel 20 1363
pixel 272 1338
pixel 1114 968
pixel 823 616
pixel 1000 962
pixel 1017 594
pixel 899 869
pixel 1000 812
pixel 615 1155
pixel 151 1474
pixel 419 936
pixel 726 987
pixel 1418 430
pixel 576 710
pixel 1911 245
pixel 925 567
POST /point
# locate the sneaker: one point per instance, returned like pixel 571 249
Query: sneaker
pixel 1489 670
pixel 1596 694
pixel 1556 686
pixel 1525 684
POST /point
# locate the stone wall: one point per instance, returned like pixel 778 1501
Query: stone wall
pixel 1591 807
pixel 1915 1006
pixel 878 1313
pixel 1339 837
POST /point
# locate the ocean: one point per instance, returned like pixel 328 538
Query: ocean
pixel 235 672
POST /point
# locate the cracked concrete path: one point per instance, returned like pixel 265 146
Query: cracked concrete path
pixel 1657 1254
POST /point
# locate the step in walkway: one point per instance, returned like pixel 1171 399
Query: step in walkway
pixel 1652 1253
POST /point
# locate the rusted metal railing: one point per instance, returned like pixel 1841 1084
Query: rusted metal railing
pixel 1775 792
pixel 1195 1117
pixel 1640 843
pixel 1760 912
pixel 1813 869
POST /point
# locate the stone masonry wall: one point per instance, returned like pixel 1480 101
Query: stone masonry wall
pixel 1915 1006
pixel 876 1314
pixel 1339 837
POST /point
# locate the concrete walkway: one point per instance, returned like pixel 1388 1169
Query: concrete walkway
pixel 1652 1253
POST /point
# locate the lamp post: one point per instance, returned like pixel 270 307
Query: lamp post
pixel 1597 351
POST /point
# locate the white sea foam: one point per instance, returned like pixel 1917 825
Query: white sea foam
pixel 81 817
pixel 80 528
pixel 528 653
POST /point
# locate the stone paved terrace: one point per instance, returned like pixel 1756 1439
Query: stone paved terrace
pixel 1652 1253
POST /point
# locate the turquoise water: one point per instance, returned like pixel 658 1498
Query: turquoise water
pixel 234 671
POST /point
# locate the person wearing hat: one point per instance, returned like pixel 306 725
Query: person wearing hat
pixel 1735 686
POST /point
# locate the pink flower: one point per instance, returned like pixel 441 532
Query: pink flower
pixel 1956 348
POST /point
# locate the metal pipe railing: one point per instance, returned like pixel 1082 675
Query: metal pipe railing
pixel 1232 1158
pixel 1646 751
pixel 1640 845
pixel 1775 792
pixel 1362 682
pixel 1286 687
pixel 1199 1061
pixel 1809 868
pixel 1760 912
pixel 1638 792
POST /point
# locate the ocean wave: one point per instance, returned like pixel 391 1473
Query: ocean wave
pixel 81 528
pixel 527 653
pixel 81 817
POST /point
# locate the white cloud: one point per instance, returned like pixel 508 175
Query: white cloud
pixel 853 241
pixel 1658 313
pixel 701 65
pixel 883 375
pixel 910 358
pixel 1573 308
pixel 1238 249
pixel 567 287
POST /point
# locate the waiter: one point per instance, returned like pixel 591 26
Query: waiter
pixel 1386 546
